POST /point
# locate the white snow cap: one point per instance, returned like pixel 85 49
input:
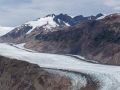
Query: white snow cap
pixel 47 21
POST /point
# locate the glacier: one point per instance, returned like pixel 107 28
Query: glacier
pixel 108 75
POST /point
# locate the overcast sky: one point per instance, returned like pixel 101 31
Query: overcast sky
pixel 16 12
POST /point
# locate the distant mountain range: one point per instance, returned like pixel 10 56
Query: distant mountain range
pixel 48 22
pixel 94 37
pixel 51 21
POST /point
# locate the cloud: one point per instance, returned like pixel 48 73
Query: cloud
pixel 16 12
pixel 14 2
pixel 112 3
pixel 117 8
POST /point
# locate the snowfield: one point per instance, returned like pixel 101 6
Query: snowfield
pixel 108 76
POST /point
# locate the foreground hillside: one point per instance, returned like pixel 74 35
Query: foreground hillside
pixel 21 75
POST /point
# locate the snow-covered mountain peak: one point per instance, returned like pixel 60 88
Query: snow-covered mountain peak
pixel 47 22
pixel 52 21
pixel 42 21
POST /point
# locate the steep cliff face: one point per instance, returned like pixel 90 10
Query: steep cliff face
pixel 21 75
pixel 95 39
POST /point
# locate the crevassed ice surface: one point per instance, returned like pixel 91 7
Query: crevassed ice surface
pixel 109 76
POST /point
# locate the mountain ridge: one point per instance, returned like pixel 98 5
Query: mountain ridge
pixel 47 23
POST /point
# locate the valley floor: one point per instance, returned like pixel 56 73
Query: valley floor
pixel 107 76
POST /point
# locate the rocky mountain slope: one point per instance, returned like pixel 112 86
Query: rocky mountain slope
pixel 21 75
pixel 95 39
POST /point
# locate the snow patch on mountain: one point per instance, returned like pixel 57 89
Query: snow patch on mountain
pixel 66 24
pixel 5 30
pixel 72 16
